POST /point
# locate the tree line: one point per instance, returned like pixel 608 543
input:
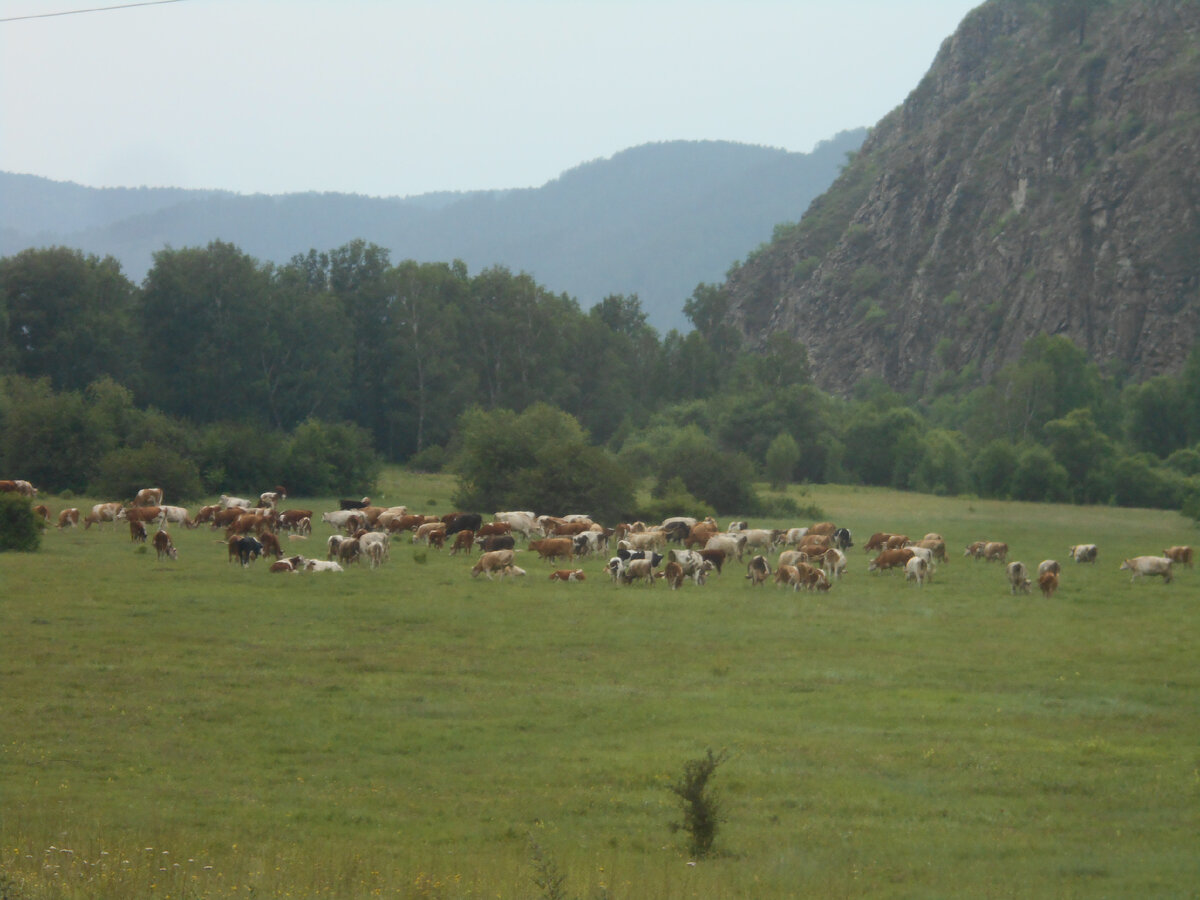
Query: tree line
pixel 226 373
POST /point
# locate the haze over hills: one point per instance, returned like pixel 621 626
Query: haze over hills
pixel 654 220
pixel 1043 177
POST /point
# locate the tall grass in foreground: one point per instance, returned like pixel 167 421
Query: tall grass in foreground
pixel 193 729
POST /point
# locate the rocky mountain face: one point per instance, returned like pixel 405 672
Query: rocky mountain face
pixel 1043 177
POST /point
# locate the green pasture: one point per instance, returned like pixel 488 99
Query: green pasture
pixel 194 729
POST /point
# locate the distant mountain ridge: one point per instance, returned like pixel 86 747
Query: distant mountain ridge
pixel 1044 176
pixel 654 220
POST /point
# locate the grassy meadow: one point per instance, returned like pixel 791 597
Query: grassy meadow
pixel 194 729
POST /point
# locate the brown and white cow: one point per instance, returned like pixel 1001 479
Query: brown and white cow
pixel 494 561
pixel 1181 555
pixel 567 575
pixel 164 546
pixel 149 497
pixel 68 518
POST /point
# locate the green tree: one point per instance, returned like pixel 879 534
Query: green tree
pixel 783 454
pixel 1038 477
pixel 993 469
pixel 1158 416
pixel 18 525
pixel 1084 451
pixel 68 317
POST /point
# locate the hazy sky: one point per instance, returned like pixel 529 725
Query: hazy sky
pixel 396 98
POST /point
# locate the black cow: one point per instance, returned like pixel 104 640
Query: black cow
pixel 678 532
pixel 841 539
pixel 355 504
pixel 491 542
pixel 464 522
pixel 245 549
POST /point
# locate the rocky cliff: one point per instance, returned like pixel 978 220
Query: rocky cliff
pixel 1044 176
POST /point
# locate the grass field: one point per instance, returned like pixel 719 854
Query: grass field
pixel 193 729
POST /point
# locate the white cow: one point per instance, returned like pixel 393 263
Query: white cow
pixel 1148 565
pixel 227 502
pixel 1082 553
pixel 916 569
pixel 1018 577
pixel 523 521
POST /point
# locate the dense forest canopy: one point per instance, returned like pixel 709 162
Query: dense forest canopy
pixel 220 372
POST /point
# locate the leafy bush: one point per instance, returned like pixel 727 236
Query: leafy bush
pixel 673 499
pixel 324 458
pixel 431 459
pixel 122 473
pixel 18 525
pixel 701 808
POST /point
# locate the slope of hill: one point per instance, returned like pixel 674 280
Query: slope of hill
pixel 654 220
pixel 1043 177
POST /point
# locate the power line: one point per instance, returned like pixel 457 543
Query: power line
pixel 75 12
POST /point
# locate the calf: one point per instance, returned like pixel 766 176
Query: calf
pixel 673 573
pixel 1048 582
pixel 1148 565
pixel 464 540
pixel 164 546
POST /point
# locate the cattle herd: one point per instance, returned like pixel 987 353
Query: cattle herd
pixel 813 558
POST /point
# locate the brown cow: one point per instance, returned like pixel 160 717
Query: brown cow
pixel 349 551
pixel 1048 582
pixel 715 556
pixel 700 534
pixel 567 575
pixel 1181 555
pixel 673 573
pixel 812 578
pixel 895 541
pixel 569 529
pixel 552 548
pixel 68 518
pixel 995 551
pixel 141 513
pixel 223 518
pixel 149 497
pixel 975 549
pixel 164 546
pixel 283 565
pixel 823 528
pixel 936 545
pixel 489 528
pixel 270 545
pixel 878 541
pixel 891 559
pixel 290 519
pixel 464 540
pixel 137 532
pixel 758 570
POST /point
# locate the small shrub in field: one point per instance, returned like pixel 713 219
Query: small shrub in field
pixel 18 525
pixel 701 809
pixel 546 876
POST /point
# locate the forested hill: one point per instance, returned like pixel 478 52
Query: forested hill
pixel 1044 176
pixel 654 220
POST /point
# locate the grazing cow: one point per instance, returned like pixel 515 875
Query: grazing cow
pixel 787 574
pixel 164 546
pixel 494 542
pixel 916 569
pixel 228 502
pixel 738 526
pixel 824 528
pixel 271 545
pixel 936 546
pixel 793 536
pixel 1018 577
pixel 995 551
pixel 244 549
pixel 148 497
pixel 700 534
pixel 245 523
pixel 334 544
pixel 137 532
pixel 223 518
pixel 424 532
pixel 842 539
pixel 1181 555
pixel 812 578
pixel 589 542
pixel 677 529
pixel 68 518
pixel 42 512
pixel 488 528
pixel 691 563
pixel 715 557
pixel 1048 565
pixel 1048 582
pixel 762 538
pixel 464 540
pixel 493 561
pixel 552 548
pixel 272 498
pixel 148 514
pixel 646 540
pixel 177 515
pixel 673 574
pixel 758 570
pixel 374 552
pixel 895 541
pixel 638 570
pixel 878 541
pixel 975 549
pixel 102 512
pixel 354 504
pixel 815 543
pixel 926 554
pixel 792 557
pixel 341 519
pixel 290 519
pixel 567 575
pixel 891 559
pixel 732 544
pixel 1148 565
pixel 1082 553
pixel 206 513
